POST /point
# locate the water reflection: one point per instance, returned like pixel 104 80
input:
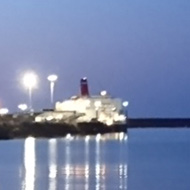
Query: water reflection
pixel 123 176
pixel 67 163
pixel 52 164
pixel 90 162
pixel 29 163
pixel 87 162
pixel 99 168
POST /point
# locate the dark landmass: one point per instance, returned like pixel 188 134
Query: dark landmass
pixel 23 125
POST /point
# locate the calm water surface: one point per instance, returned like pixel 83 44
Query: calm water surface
pixel 145 159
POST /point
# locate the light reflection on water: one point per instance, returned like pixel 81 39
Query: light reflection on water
pixel 76 163
pixel 52 164
pixel 29 163
pixel 148 159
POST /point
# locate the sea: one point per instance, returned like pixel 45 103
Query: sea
pixel 142 159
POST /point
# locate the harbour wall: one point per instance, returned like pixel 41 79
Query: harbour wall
pixel 158 122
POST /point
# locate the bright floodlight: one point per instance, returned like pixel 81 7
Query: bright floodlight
pixel 52 78
pixel 30 81
pixel 4 111
pixel 125 104
pixel 22 107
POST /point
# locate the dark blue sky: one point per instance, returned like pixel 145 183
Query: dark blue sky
pixel 137 50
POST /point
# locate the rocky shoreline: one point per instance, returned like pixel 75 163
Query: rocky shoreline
pixel 22 126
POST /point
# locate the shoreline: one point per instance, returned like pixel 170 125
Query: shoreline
pixel 13 126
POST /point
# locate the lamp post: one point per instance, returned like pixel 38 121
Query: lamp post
pixel 52 79
pixel 125 104
pixel 30 81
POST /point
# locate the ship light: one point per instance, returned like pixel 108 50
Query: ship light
pixel 97 104
pixel 121 118
pixel 49 118
pixel 109 122
pixel 38 119
pixel 125 103
pixel 103 93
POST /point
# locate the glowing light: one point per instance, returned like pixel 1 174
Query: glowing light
pixel 49 118
pixel 52 79
pixel 97 104
pixel 103 93
pixel 30 81
pixel 109 122
pixel 38 119
pixel 125 103
pixel 4 111
pixel 22 107
pixel 120 118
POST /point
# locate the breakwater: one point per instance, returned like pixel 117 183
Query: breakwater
pixel 158 122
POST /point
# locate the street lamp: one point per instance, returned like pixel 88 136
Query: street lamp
pixel 30 81
pixel 125 104
pixel 52 79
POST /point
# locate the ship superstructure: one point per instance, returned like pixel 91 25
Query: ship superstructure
pixel 87 108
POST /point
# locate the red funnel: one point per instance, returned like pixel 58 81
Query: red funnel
pixel 84 87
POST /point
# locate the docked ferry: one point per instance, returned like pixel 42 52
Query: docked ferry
pixel 88 110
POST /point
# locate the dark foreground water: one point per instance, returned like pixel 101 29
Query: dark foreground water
pixel 146 159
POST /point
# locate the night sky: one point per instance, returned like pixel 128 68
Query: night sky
pixel 137 50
